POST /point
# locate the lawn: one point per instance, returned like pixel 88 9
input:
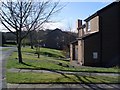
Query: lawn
pixel 57 78
pixel 5 49
pixel 52 60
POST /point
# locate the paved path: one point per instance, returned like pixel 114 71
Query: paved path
pixel 65 72
pixel 64 86
pixel 3 56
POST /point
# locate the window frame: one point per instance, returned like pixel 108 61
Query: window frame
pixel 95 55
pixel 88 26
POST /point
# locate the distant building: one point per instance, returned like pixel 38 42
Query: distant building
pixel 98 39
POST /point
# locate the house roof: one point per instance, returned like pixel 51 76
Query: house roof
pixel 83 37
pixel 101 10
pixel 87 35
pixel 74 42
pixel 92 16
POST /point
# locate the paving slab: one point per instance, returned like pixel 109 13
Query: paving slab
pixel 26 86
pixel 12 86
pixel 65 86
pixel 13 70
pixel 42 85
pixel 25 70
pixel 115 86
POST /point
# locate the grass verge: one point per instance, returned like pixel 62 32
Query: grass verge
pixel 28 78
pixel 5 49
pixel 44 62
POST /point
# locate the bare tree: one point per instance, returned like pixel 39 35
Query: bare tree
pixel 69 39
pixel 16 17
pixel 70 30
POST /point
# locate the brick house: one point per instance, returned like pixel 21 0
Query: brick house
pixel 98 39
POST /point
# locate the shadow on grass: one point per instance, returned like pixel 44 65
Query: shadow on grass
pixel 94 86
pixel 51 54
pixel 63 65
pixel 26 64
pixel 83 81
pixel 63 59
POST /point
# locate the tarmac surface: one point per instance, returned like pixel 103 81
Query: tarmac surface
pixel 3 57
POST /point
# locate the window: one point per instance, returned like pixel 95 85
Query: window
pixel 88 27
pixel 84 30
pixel 95 55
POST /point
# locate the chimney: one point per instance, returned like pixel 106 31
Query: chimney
pixel 79 23
pixel 79 27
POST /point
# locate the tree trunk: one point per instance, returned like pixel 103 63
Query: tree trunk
pixel 38 55
pixel 19 52
pixel 19 47
pixel 31 41
pixel 19 35
pixel 32 46
pixel 38 51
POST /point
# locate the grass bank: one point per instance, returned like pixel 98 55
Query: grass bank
pixel 52 61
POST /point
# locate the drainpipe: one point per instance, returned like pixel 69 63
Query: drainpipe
pixel 100 30
pixel 71 53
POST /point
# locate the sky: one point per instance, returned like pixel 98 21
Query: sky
pixel 67 17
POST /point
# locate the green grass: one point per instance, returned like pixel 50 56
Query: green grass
pixel 46 51
pixel 5 49
pixel 9 45
pixel 52 63
pixel 32 62
pixel 57 78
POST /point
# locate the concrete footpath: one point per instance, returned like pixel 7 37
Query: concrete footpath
pixel 65 72
pixel 64 86
pixel 4 54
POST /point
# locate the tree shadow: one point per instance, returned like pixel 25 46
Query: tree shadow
pixel 115 88
pixel 63 59
pixel 90 84
pixel 99 80
pixel 23 63
pixel 26 64
pixel 81 82
pixel 61 73
pixel 86 81
pixel 65 65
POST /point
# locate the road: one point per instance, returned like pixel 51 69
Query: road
pixel 4 54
